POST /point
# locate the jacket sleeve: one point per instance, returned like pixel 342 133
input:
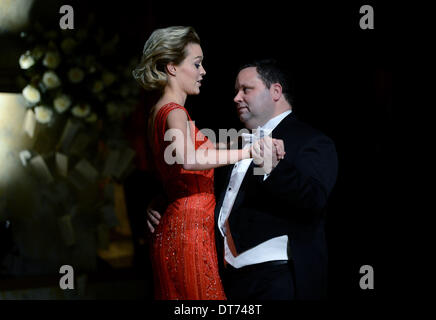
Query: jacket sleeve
pixel 304 180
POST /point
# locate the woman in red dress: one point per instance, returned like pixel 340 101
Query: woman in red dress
pixel 183 251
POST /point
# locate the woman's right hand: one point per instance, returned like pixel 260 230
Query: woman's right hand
pixel 153 216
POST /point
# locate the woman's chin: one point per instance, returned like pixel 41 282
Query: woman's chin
pixel 195 92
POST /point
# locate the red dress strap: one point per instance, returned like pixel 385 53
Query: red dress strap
pixel 161 118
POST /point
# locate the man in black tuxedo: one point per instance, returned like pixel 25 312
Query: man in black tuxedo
pixel 270 228
pixel 270 233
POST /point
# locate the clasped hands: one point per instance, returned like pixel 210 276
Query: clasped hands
pixel 267 152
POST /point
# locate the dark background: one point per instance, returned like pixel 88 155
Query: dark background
pixel 343 86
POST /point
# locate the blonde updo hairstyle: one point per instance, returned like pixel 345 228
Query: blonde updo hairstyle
pixel 167 45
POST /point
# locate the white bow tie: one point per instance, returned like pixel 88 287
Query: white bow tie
pixel 251 137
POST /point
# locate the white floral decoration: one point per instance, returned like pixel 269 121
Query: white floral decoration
pixel 81 110
pixel 31 94
pixel 26 60
pixel 51 80
pixel 51 60
pixel 62 103
pixel 43 114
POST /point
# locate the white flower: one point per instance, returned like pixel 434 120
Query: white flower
pixel 97 87
pixel 68 45
pixel 108 78
pixel 81 110
pixel 76 75
pixel 26 60
pixel 51 60
pixel 62 103
pixel 31 94
pixel 43 114
pixel 51 80
pixel 92 117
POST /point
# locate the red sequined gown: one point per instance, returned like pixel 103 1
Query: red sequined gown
pixel 183 246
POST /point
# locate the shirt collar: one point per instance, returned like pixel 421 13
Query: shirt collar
pixel 272 123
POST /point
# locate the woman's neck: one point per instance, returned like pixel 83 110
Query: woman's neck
pixel 172 95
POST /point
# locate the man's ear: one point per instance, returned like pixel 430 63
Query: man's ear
pixel 171 69
pixel 276 91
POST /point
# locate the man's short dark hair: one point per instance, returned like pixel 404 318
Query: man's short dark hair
pixel 270 71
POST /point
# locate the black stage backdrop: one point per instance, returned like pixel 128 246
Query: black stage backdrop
pixel 343 86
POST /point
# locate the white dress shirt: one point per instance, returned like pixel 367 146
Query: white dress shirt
pixel 270 250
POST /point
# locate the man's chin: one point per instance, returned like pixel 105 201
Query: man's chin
pixel 246 122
